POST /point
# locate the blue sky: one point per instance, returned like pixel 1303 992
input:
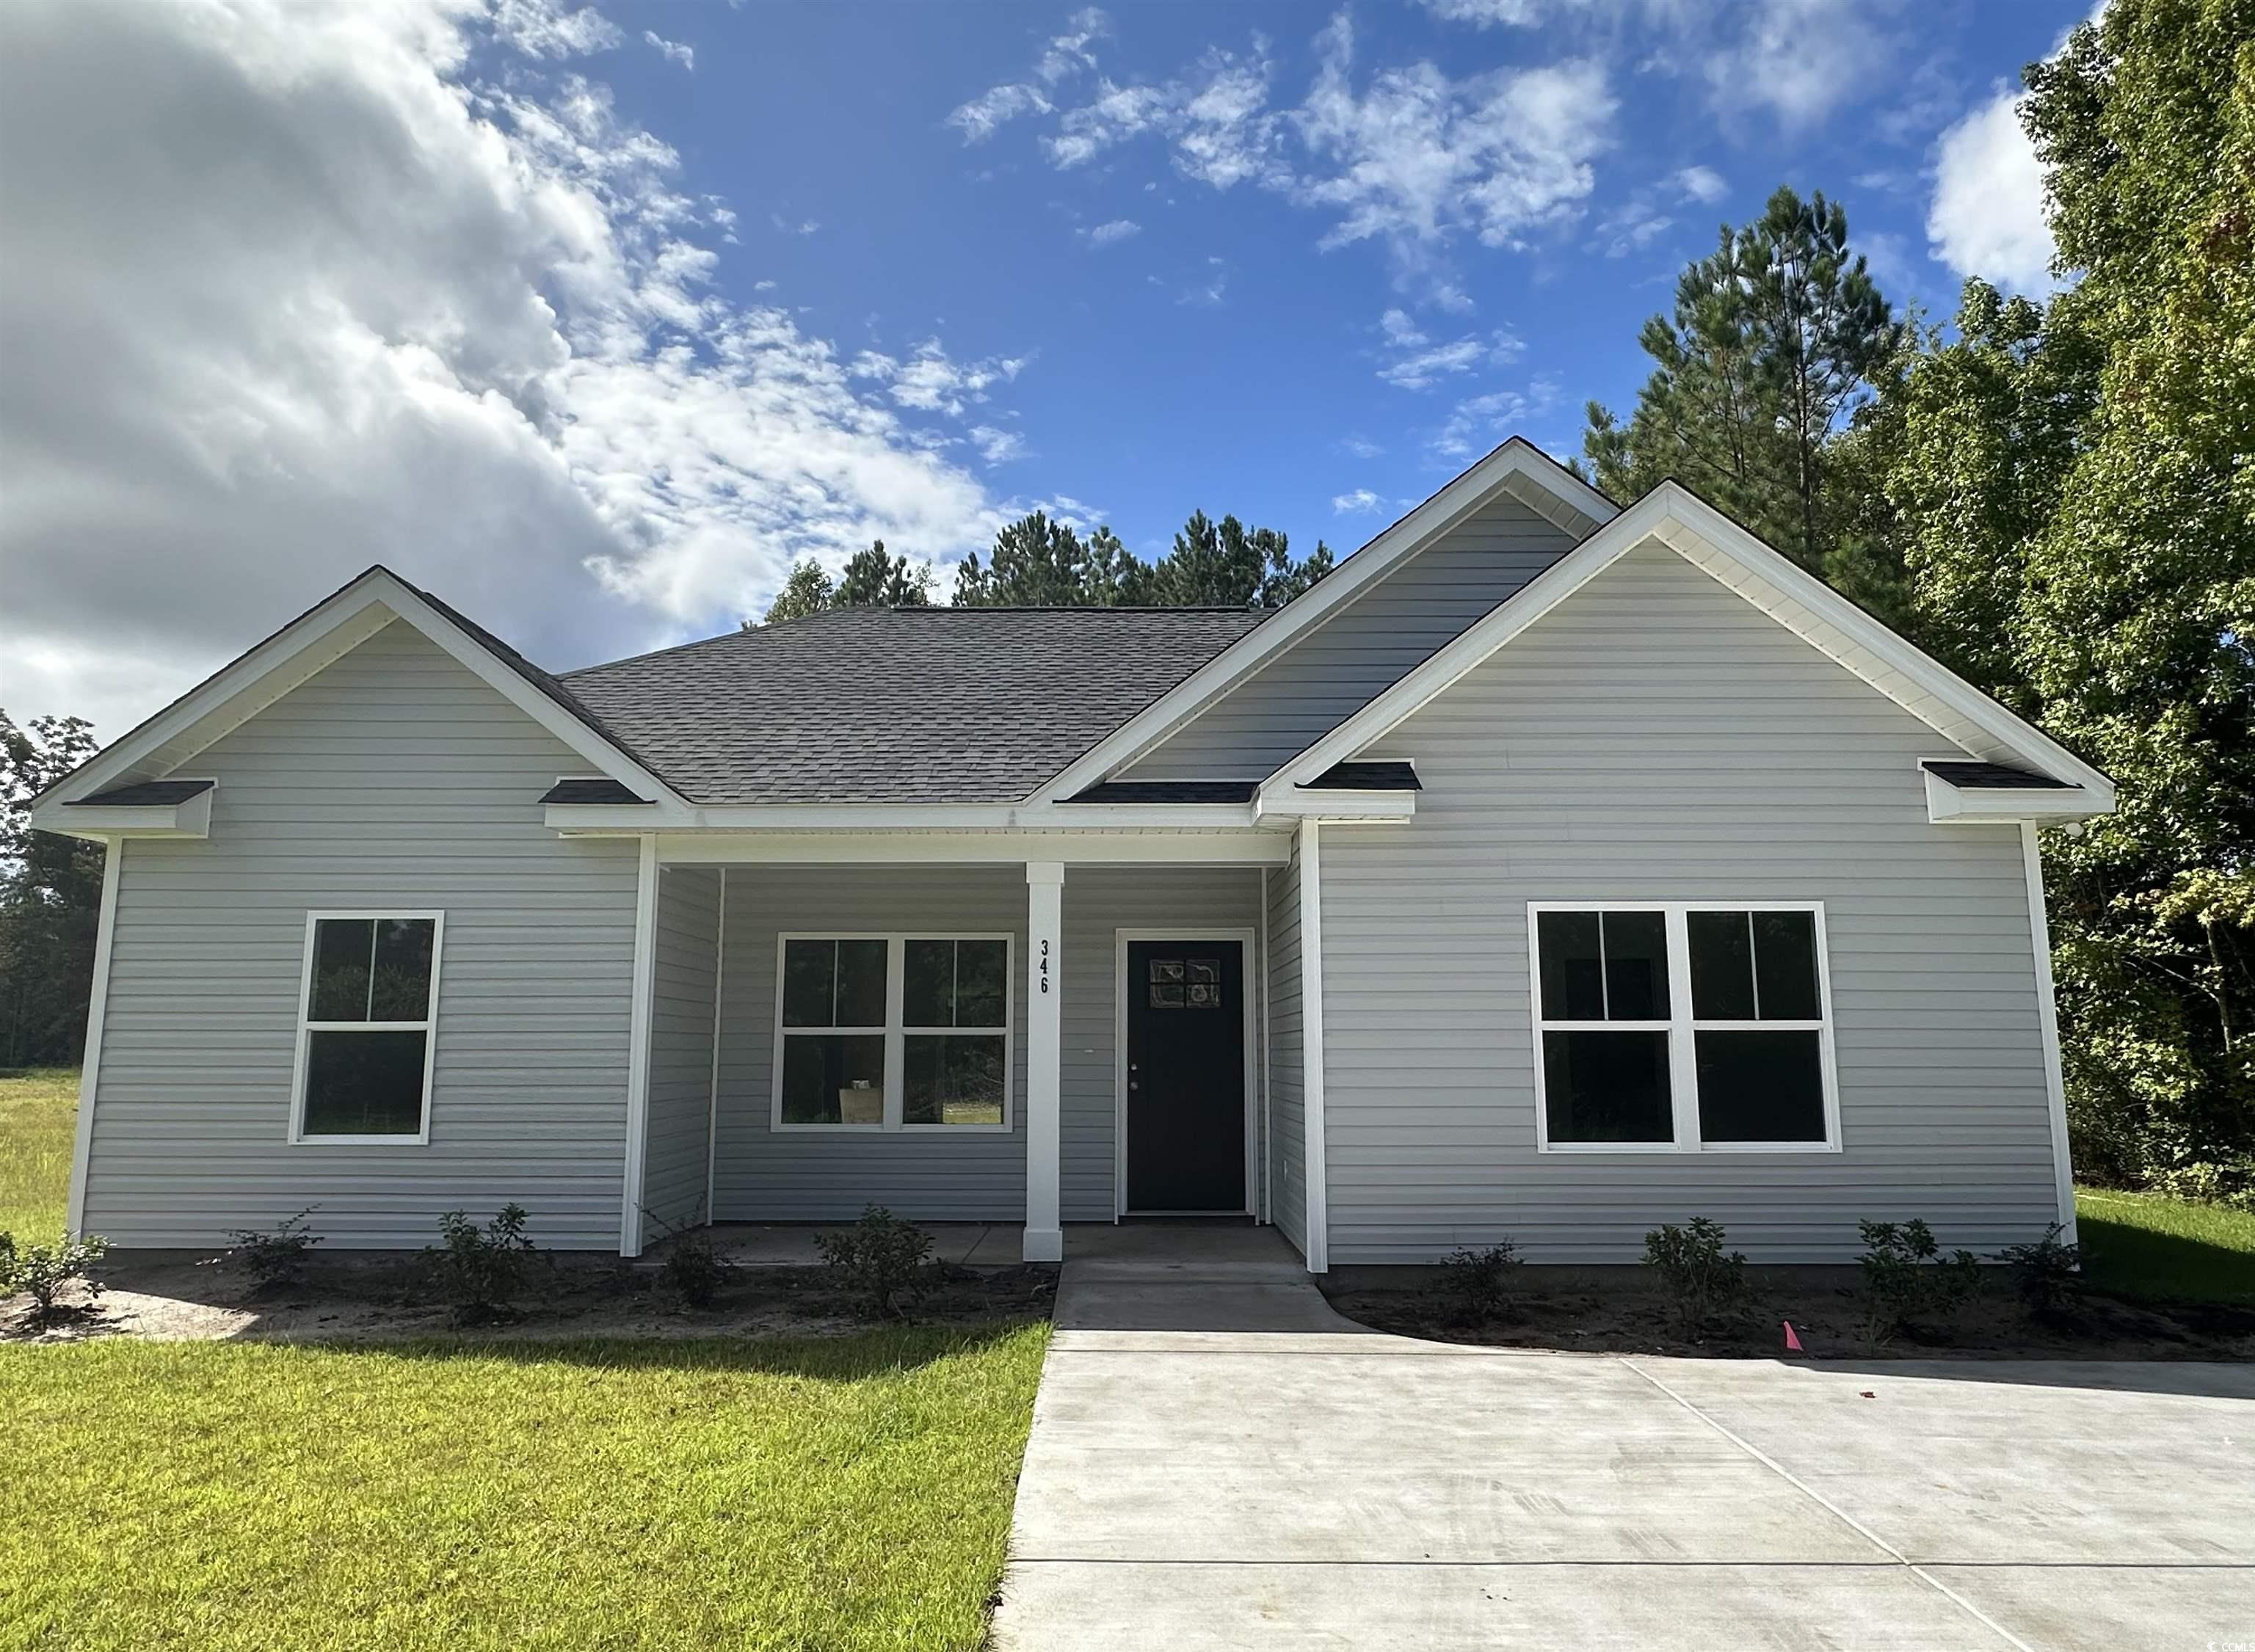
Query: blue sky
pixel 594 318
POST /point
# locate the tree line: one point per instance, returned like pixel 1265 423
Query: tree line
pixel 2058 502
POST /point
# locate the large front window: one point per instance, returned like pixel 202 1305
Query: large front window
pixel 364 1032
pixel 892 1032
pixel 1681 1026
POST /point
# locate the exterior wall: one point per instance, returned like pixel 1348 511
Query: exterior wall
pixel 766 1175
pixel 1286 1149
pixel 392 778
pixel 1656 738
pixel 1364 647
pixel 685 959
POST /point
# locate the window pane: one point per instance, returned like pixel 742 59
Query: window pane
pixel 1636 966
pixel 1761 1087
pixel 833 1078
pixel 860 984
pixel 341 946
pixel 1607 1087
pixel 1722 967
pixel 982 976
pixel 1785 965
pixel 951 1081
pixel 1573 975
pixel 928 995
pixel 809 976
pixel 403 970
pixel 364 1083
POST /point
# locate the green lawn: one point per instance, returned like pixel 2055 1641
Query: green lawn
pixel 37 1115
pixel 2165 1250
pixel 824 1493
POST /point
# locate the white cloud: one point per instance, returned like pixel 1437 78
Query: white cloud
pixel 1987 216
pixel 983 115
pixel 1799 58
pixel 1416 361
pixel 997 447
pixel 1479 423
pixel 1702 184
pixel 1065 56
pixel 296 290
pixel 1207 291
pixel 1216 119
pixel 1487 14
pixel 1355 504
pixel 673 51
pixel 930 381
pixel 1360 446
pixel 1113 234
pixel 541 29
pixel 801 227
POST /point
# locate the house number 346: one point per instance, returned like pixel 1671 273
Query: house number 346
pixel 1045 966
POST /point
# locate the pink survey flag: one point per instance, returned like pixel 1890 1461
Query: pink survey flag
pixel 1792 1343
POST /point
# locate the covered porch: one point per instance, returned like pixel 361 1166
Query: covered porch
pixel 997 1045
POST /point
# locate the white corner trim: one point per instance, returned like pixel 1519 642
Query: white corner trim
pixel 1266 1200
pixel 638 1031
pixel 1313 1157
pixel 89 1078
pixel 1476 487
pixel 2063 1157
pixel 1671 515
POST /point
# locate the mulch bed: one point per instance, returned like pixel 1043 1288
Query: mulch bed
pixel 1630 1318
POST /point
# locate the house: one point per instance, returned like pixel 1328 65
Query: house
pixel 1551 869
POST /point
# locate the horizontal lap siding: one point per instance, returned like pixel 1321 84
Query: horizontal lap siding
pixel 681 1048
pixel 1288 1180
pixel 1366 646
pixel 393 778
pixel 766 1175
pixel 1656 738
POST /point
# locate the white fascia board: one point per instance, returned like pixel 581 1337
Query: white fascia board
pixel 1948 805
pixel 1335 806
pixel 1240 848
pixel 189 818
pixel 1517 467
pixel 1671 515
pixel 238 691
pixel 611 819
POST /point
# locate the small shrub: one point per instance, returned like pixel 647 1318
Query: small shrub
pixel 482 1269
pixel 1906 1279
pixel 2044 1272
pixel 880 1258
pixel 275 1257
pixel 693 1265
pixel 42 1272
pixel 1693 1268
pixel 1477 1283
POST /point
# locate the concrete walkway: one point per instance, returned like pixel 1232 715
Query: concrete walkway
pixel 1219 1460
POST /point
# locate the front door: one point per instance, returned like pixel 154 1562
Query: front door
pixel 1185 1075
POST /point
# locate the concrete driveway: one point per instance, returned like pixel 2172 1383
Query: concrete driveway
pixel 1218 1460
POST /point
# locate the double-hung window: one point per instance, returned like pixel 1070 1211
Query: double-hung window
pixel 365 1047
pixel 891 1033
pixel 1682 1026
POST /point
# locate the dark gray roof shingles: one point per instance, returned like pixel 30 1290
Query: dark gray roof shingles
pixel 867 705
pixel 144 795
pixel 1976 776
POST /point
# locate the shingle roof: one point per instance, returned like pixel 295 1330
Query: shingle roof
pixel 144 795
pixel 1366 777
pixel 591 791
pixel 1993 776
pixel 1168 791
pixel 859 705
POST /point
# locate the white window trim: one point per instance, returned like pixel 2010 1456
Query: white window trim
pixel 896 1034
pixel 307 1027
pixel 1682 1058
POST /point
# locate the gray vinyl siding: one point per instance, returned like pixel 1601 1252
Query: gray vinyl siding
pixel 681 1048
pixel 1287 1145
pixel 1366 646
pixel 768 1175
pixel 1656 738
pixel 394 778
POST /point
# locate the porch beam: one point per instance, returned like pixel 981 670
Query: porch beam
pixel 1044 1237
pixel 1246 847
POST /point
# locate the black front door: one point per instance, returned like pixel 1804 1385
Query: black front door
pixel 1185 1075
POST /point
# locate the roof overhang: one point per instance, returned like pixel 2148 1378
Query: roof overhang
pixel 1518 469
pixel 1672 516
pixel 323 635
pixel 1971 802
pixel 177 808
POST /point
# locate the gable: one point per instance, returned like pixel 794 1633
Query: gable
pixel 1357 652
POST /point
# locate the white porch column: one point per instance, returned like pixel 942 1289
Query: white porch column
pixel 638 1026
pixel 1045 1240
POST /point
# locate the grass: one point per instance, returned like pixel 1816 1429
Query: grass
pixel 818 1494
pixel 37 1114
pixel 826 1493
pixel 2150 1247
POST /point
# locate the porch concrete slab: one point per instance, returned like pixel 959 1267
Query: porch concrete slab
pixel 2055 1462
pixel 1084 1608
pixel 1215 1463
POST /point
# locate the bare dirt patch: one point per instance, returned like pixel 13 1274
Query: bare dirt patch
pixel 368 1296
pixel 1628 1316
